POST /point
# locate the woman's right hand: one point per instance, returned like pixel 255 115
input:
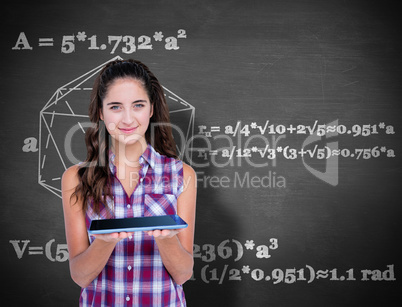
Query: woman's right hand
pixel 113 237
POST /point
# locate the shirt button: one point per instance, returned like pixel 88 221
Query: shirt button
pixel 128 206
pixel 127 298
pixel 141 179
pixel 129 267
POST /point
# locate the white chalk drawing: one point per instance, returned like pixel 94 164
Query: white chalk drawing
pixel 331 173
pixel 68 107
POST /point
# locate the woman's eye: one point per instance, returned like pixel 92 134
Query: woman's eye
pixel 138 106
pixel 114 107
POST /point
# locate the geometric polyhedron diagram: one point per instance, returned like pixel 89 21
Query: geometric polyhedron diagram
pixel 64 120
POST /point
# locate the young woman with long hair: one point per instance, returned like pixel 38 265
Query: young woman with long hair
pixel 131 170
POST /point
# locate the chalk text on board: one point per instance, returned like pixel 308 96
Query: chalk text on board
pixel 292 275
pixel 268 127
pixel 228 249
pixel 126 44
pixel 258 146
pixel 58 255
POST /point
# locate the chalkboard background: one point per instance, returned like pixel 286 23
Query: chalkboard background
pixel 330 225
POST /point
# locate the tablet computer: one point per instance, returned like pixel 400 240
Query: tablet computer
pixel 137 224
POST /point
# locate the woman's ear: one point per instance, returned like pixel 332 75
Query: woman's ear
pixel 101 114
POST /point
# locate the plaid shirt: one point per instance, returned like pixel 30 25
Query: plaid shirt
pixel 134 274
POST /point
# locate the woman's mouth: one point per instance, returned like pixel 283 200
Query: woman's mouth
pixel 128 130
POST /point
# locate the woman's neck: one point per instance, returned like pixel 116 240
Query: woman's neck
pixel 128 154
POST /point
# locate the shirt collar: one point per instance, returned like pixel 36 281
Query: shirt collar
pixel 148 157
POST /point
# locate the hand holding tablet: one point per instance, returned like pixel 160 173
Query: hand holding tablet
pixel 137 224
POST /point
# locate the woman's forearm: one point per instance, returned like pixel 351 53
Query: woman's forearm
pixel 85 267
pixel 177 261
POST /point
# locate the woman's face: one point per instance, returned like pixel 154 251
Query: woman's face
pixel 126 111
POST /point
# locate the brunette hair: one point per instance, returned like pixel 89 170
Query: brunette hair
pixel 94 173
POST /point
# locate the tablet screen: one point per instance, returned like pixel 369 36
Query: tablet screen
pixel 138 223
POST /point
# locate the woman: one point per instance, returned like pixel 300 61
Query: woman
pixel 138 174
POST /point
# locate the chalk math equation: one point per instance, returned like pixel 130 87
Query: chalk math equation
pixel 54 253
pixel 306 274
pixel 126 44
pixel 233 249
pixel 270 134
pixel 207 252
pixel 279 129
pixel 291 153
pixel 230 249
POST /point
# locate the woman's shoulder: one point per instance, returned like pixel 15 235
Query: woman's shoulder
pixel 70 177
pixel 188 171
pixel 189 177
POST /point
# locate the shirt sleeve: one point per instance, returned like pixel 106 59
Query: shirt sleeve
pixel 179 177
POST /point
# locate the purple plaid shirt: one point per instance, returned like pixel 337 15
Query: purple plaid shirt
pixel 134 274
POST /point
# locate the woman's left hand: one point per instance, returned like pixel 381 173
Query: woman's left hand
pixel 163 234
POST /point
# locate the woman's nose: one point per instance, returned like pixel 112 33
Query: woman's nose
pixel 128 117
